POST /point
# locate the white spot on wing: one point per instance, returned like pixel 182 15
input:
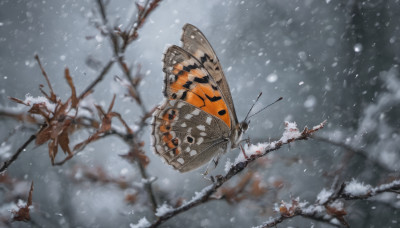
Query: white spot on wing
pixel 191 77
pixel 201 127
pixel 180 160
pixel 203 133
pixel 193 152
pixel 200 140
pixel 183 125
pixel 196 112
pixel 187 149
pixel 188 116
pixel 172 102
pixel 208 120
pixel 180 104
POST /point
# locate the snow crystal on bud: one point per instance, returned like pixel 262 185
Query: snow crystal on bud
pixel 21 203
pixel 321 125
pixel 163 209
pixel 387 186
pixel 291 132
pixel 355 188
pixel 141 224
pixel 228 165
pixel 5 150
pixel 198 195
pixel 37 100
pixel 337 204
pixel 324 195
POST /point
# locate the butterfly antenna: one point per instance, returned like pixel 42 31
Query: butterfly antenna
pixel 265 107
pixel 259 95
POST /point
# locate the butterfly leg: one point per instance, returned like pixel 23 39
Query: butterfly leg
pixel 244 153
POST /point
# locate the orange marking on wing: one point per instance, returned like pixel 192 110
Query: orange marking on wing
pixel 167 137
pixel 167 140
pixel 163 128
pixel 176 151
pixel 165 117
pixel 197 73
pixel 178 84
pixel 200 90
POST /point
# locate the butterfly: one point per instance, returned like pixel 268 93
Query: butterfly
pixel 196 122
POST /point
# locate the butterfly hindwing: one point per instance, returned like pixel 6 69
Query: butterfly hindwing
pixel 187 137
pixel 186 79
pixel 197 44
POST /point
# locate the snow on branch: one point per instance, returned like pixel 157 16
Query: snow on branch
pixel 329 206
pixel 253 152
pixel 290 134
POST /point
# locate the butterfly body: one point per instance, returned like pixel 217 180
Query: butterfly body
pixel 197 120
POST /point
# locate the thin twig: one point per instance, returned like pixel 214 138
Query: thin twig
pixel 99 78
pixel 17 153
pixel 148 187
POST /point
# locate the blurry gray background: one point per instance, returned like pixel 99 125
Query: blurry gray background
pixel 328 59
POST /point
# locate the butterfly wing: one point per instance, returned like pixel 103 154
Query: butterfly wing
pixel 186 79
pixel 197 45
pixel 186 136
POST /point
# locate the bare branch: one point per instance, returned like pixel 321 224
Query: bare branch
pixel 205 194
pixel 99 78
pixel 17 153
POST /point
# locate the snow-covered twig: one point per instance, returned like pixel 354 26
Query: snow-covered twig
pixel 329 207
pixel 291 134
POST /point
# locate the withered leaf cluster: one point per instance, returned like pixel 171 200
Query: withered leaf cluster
pixel 23 212
pixel 62 120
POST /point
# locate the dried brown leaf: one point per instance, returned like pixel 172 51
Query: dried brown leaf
pixel 257 189
pixel 52 97
pixel 136 155
pixel 111 104
pixel 17 100
pixel 74 99
pixel 105 124
pixel 335 211
pixel 130 198
pixel 30 196
pixel 43 136
pixel 63 140
pixel 40 109
pixel 139 7
pixel 53 149
pixel 23 212
pixel 284 211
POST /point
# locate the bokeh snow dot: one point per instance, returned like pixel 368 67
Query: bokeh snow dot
pixel 310 102
pixel 271 78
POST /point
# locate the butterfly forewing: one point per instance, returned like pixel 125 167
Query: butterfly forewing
pixel 186 79
pixel 197 44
